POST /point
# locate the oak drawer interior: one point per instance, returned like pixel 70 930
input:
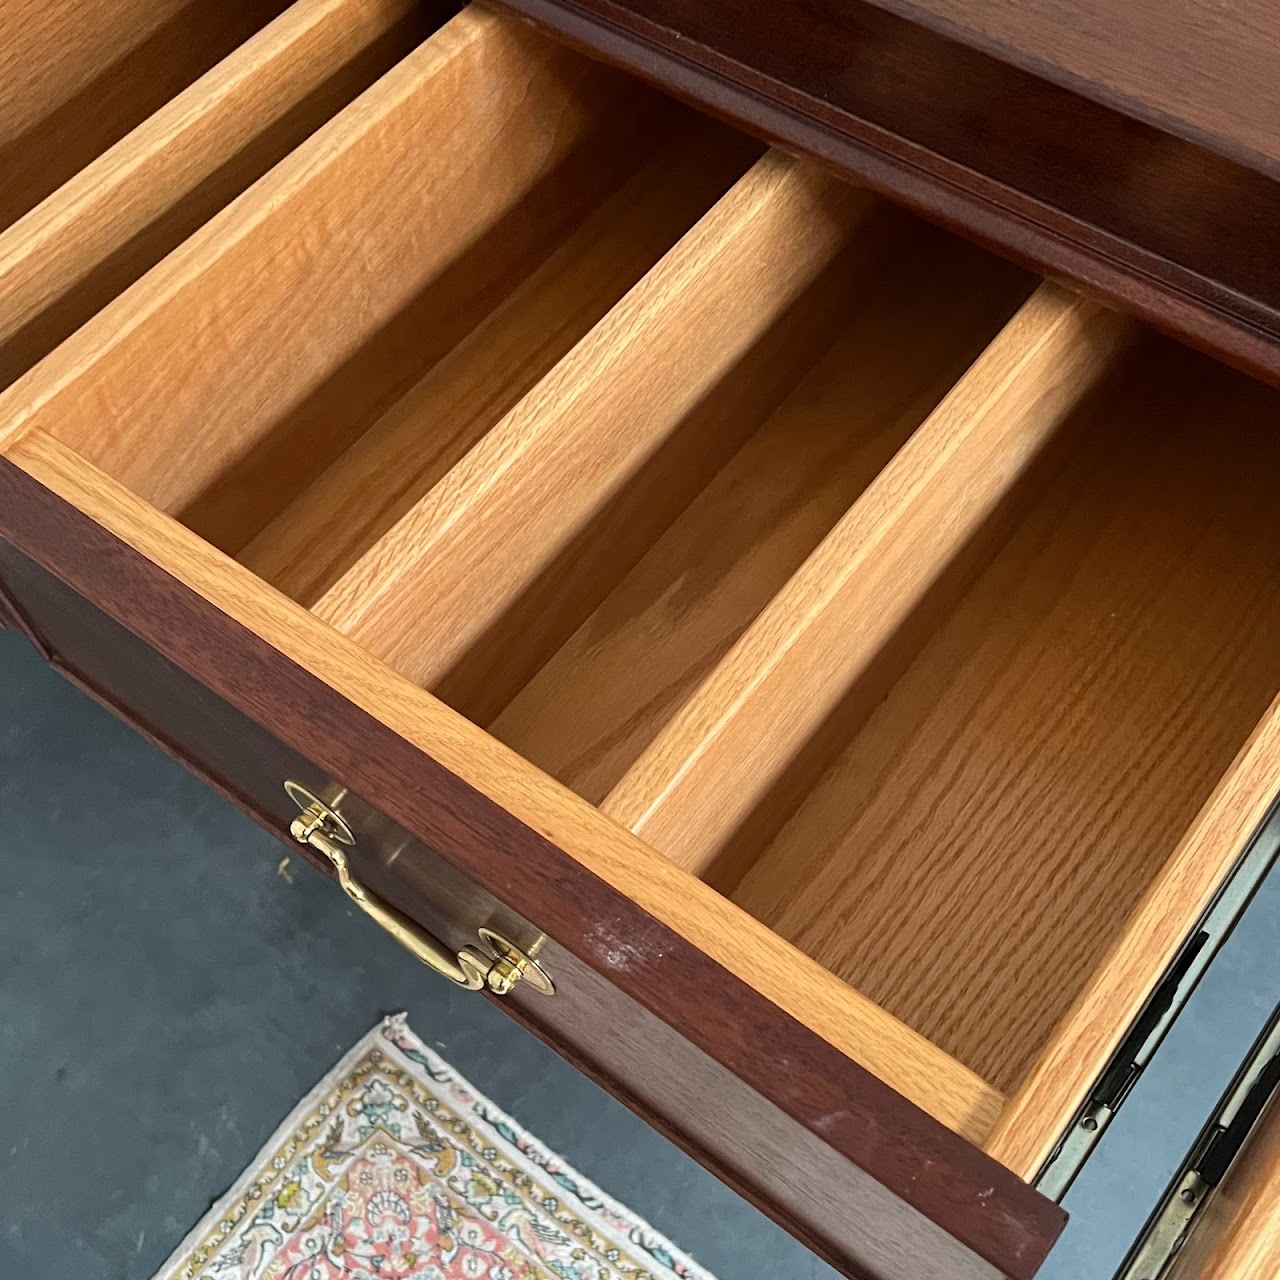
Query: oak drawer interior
pixel 973 840
pixel 77 78
pixel 922 611
pixel 124 126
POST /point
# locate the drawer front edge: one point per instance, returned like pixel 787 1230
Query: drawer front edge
pixel 851 1167
pixel 961 136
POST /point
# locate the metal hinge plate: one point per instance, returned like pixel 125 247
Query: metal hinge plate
pixel 1161 1010
pixel 1251 1092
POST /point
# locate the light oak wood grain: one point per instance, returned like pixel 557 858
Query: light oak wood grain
pixel 75 78
pixel 1069 646
pixel 902 315
pixel 899 1056
pixel 624 431
pixel 970 857
pixel 1238 1235
pixel 731 746
pixel 292 321
pixel 100 230
pixel 51 50
pixel 327 527
pixel 1092 1030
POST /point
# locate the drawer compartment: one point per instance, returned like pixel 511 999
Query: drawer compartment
pixel 984 823
pixel 77 81
pixel 783 592
pixel 124 126
pixel 403 279
pixel 574 577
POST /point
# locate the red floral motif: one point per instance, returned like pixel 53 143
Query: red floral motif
pixel 390 1218
pixel 394 1168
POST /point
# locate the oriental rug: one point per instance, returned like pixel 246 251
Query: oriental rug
pixel 395 1168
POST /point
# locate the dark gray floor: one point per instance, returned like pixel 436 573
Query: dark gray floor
pixel 166 998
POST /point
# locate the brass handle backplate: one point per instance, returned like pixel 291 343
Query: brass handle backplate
pixel 501 968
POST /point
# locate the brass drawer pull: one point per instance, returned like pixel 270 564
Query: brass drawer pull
pixel 326 831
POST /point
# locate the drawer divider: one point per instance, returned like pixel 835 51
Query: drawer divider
pixel 849 615
pixel 613 418
pixel 72 252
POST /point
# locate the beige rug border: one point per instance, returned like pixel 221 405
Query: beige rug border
pixel 376 1037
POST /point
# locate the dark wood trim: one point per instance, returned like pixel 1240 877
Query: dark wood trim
pixel 619 1089
pixel 245 803
pixel 634 1061
pixel 13 618
pixel 977 1203
pixel 1155 224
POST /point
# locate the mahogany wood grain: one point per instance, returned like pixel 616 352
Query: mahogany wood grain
pixel 129 207
pixel 977 848
pixel 967 1216
pixel 1031 154
pixel 75 78
pixel 912 311
pixel 1206 73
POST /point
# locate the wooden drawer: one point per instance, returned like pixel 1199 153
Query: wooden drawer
pixel 126 124
pixel 850 660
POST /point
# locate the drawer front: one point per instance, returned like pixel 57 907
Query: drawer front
pixel 769 1106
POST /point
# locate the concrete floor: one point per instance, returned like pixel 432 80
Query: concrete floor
pixel 166 998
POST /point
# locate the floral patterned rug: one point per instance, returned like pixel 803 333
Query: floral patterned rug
pixel 395 1168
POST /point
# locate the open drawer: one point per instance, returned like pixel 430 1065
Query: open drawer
pixel 848 664
pixel 126 124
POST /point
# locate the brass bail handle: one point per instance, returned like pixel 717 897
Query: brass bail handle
pixel 326 831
